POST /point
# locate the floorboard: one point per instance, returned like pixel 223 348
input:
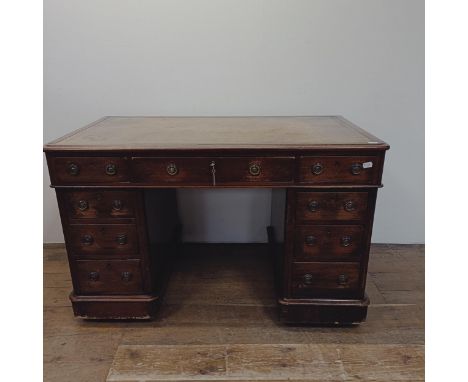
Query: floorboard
pixel 240 317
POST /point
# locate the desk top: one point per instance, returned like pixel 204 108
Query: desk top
pixel 167 133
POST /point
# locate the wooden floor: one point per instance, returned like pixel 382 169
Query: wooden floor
pixel 240 317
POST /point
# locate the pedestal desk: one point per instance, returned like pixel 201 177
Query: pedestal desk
pixel 116 183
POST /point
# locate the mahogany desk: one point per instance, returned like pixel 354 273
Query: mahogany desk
pixel 116 183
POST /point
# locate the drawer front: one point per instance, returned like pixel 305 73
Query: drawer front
pixel 336 243
pixel 89 170
pixel 330 206
pixel 339 169
pixel 278 170
pixel 94 239
pixel 101 204
pixel 108 277
pixel 325 279
pixel 199 171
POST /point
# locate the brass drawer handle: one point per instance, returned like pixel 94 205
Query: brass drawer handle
pixel 126 276
pixel 87 239
pixel 317 168
pixel 117 205
pixel 308 278
pixel 111 169
pixel 73 169
pixel 254 169
pixel 93 276
pixel 356 168
pixel 313 205
pixel 83 205
pixel 350 206
pixel 121 239
pixel 342 279
pixel 172 169
pixel 310 240
pixel 346 241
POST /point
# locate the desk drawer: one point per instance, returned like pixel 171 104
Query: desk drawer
pixel 95 239
pixel 180 171
pixel 89 170
pixel 324 279
pixel 326 242
pixel 339 170
pixel 100 204
pixel 331 206
pixel 108 277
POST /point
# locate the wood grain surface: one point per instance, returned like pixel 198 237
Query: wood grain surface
pixel 241 310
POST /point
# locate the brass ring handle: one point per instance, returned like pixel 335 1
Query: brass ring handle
pixel 93 276
pixel 83 205
pixel 317 168
pixel 313 205
pixel 117 205
pixel 172 169
pixel 342 279
pixel 73 169
pixel 350 206
pixel 126 276
pixel 356 168
pixel 254 169
pixel 346 241
pixel 121 239
pixel 310 240
pixel 308 278
pixel 111 169
pixel 87 239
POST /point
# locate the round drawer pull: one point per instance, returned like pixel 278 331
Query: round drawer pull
pixel 350 206
pixel 73 169
pixel 317 168
pixel 93 276
pixel 172 169
pixel 126 276
pixel 313 205
pixel 308 278
pixel 356 168
pixel 83 205
pixel 117 205
pixel 121 239
pixel 111 169
pixel 342 279
pixel 346 241
pixel 87 239
pixel 254 169
pixel 310 240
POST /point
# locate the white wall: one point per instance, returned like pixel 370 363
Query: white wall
pixel 363 59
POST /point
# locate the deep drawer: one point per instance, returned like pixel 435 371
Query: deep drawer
pixel 108 277
pixel 180 171
pixel 102 239
pixel 330 206
pixel 100 204
pixel 327 242
pixel 88 170
pixel 363 170
pixel 325 279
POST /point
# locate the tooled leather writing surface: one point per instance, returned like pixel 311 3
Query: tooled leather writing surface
pixel 215 132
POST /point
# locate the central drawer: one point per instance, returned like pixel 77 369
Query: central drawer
pixel 209 171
